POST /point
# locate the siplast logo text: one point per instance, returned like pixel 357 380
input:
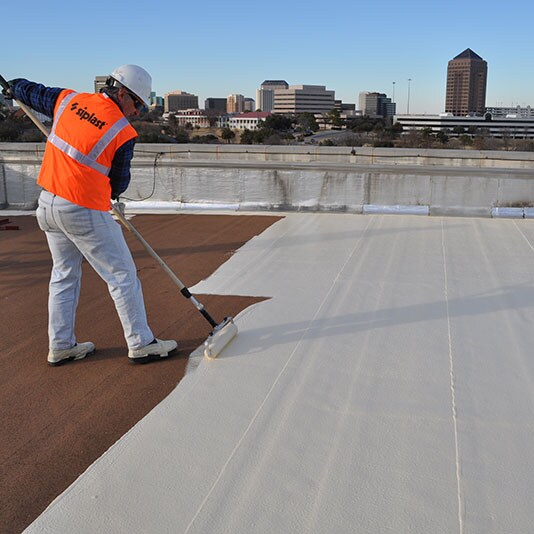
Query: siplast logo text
pixel 86 116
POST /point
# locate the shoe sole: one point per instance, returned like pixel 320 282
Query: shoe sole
pixel 150 357
pixel 70 359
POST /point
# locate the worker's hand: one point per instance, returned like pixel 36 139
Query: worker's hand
pixel 120 207
pixel 8 92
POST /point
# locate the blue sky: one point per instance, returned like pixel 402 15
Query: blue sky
pixel 217 48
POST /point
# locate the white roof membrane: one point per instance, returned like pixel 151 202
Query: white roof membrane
pixel 386 386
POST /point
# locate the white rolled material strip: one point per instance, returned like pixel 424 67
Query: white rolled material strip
pixel 398 209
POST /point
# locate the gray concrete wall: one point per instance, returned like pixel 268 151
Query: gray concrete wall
pixel 436 182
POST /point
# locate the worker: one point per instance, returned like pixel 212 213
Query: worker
pixel 86 163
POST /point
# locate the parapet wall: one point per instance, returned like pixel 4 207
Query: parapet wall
pixel 435 182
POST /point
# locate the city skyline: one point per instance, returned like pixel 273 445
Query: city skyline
pixel 232 49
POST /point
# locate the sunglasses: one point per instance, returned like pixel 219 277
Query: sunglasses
pixel 139 105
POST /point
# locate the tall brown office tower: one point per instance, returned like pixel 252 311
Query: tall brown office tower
pixel 467 74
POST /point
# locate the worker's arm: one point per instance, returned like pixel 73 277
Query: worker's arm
pixel 119 176
pixel 37 96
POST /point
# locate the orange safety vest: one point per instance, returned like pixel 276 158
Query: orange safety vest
pixel 87 131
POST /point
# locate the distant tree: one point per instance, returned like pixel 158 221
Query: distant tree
pixel 479 142
pixel 153 115
pixel 262 134
pixel 466 140
pixel 426 133
pixel 171 120
pixel 364 124
pixel 279 123
pixel 181 136
pixel 150 132
pixel 442 137
pixel 350 139
pixel 9 131
pixel 247 137
pixel 334 118
pixel 411 139
pixel 427 137
pixel 379 129
pixel 307 122
pixel 212 116
pixel 31 135
pixel 17 127
pixel 4 112
pixel 227 134
pixel 525 145
pixel 393 131
pixel 383 143
pixel 273 139
pixel 172 128
pixel 204 139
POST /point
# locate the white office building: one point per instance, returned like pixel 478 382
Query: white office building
pixel 304 98
pixel 511 127
pixel 511 112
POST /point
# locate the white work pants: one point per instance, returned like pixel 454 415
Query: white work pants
pixel 74 232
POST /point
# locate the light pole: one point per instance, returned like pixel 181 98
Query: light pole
pixel 408 105
pixel 393 99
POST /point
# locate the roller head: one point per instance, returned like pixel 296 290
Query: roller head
pixel 222 334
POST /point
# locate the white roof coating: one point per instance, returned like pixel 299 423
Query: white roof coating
pixel 386 386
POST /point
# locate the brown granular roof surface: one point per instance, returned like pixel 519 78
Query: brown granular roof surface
pixel 56 421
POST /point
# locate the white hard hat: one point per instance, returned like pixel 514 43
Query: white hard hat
pixel 136 79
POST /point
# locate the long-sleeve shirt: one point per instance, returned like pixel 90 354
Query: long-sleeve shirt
pixel 43 99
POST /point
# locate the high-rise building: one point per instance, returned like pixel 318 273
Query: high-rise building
pixel 235 103
pixel 467 75
pixel 304 98
pixel 178 100
pixel 265 99
pixel 376 104
pixel 249 104
pixel 156 101
pixel 215 104
pixel 266 93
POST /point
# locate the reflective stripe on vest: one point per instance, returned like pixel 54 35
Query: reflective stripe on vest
pixel 90 159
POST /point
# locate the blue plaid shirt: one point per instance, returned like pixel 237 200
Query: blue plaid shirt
pixel 43 99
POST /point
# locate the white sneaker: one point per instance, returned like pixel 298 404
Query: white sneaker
pixel 154 351
pixel 78 352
